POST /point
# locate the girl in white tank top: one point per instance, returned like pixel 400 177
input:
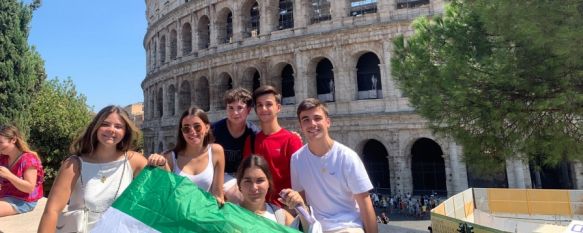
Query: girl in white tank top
pixel 187 158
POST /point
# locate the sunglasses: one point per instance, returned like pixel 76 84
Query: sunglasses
pixel 189 128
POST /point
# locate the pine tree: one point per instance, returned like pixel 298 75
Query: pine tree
pixel 504 78
pixel 21 67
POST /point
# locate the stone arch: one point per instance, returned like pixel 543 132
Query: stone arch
pixel 160 102
pixel 171 100
pixel 225 25
pixel 321 79
pixel 162 50
pixel 186 39
pixel 202 95
pixel 286 83
pixel 559 176
pixel 375 159
pixel 251 79
pixel 204 32
pixel 285 14
pixel 250 18
pixel 173 45
pixel 225 83
pixel 368 76
pixel 428 167
pixel 184 96
pixel 319 11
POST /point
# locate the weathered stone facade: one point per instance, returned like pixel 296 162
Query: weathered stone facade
pixel 196 50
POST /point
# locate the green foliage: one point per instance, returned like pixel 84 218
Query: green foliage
pixel 59 114
pixel 21 67
pixel 504 79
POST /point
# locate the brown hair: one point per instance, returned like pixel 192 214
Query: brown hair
pixel 238 94
pixel 309 104
pixel 197 112
pixel 255 161
pixel 86 143
pixel 11 132
pixel 264 90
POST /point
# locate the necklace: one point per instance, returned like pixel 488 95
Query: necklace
pixel 103 178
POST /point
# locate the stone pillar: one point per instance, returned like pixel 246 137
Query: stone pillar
pixel 176 97
pixel 213 28
pixel 238 26
pixel 339 11
pixel 390 89
pixel 268 20
pixel 301 14
pixel 577 179
pixel 459 173
pixel 343 84
pixel 301 81
pixel 518 174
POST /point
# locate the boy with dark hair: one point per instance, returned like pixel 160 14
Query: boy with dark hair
pixel 274 143
pixel 330 176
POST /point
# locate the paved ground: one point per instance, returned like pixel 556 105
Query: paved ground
pixel 28 223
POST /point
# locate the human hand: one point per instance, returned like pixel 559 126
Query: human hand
pixel 220 201
pixel 156 160
pixel 4 172
pixel 291 198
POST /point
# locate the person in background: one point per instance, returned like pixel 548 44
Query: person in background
pixel 231 132
pixel 331 176
pixel 195 156
pixel 274 143
pixel 101 167
pixel 21 173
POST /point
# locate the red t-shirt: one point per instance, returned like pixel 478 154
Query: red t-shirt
pixel 26 161
pixel 277 150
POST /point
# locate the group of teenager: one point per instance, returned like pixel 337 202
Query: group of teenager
pixel 272 172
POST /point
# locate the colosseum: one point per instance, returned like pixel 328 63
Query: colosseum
pixel 336 50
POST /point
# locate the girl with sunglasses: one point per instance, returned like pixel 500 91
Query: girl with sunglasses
pixel 195 156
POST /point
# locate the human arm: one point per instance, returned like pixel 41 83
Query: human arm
pixel 159 160
pixel 60 194
pixel 293 199
pixel 367 213
pixel 219 173
pixel 137 161
pixel 26 184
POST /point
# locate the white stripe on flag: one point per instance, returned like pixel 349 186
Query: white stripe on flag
pixel 115 221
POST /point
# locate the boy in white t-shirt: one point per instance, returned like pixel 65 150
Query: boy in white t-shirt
pixel 330 176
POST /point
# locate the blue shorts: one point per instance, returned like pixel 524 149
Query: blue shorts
pixel 19 205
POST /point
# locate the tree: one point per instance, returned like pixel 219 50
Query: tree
pixel 504 80
pixel 59 114
pixel 21 67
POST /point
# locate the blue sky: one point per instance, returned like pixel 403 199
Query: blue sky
pixel 99 44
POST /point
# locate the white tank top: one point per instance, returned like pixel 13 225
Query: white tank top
pixel 204 180
pixel 100 184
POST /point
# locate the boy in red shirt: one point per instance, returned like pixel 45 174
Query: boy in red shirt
pixel 274 143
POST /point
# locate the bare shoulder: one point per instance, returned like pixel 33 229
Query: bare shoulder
pixel 71 165
pixel 136 158
pixel 218 152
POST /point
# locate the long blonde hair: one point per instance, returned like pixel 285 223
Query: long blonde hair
pixel 11 132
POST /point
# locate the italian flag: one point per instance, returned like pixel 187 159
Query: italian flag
pixel 159 201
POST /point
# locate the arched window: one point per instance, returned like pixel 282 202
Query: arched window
pixel 375 161
pixel 173 45
pixel 186 39
pixel 159 102
pixel 320 11
pixel 286 14
pixel 184 96
pixel 361 7
pixel 171 100
pixel 287 85
pixel 202 97
pixel 251 19
pixel 225 84
pixel 411 3
pixel 204 32
pixel 256 80
pixel 225 26
pixel 325 80
pixel 368 76
pixel 427 168
pixel 162 50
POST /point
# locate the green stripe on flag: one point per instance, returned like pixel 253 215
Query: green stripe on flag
pixel 172 203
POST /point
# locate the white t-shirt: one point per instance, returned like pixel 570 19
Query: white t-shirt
pixel 329 183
